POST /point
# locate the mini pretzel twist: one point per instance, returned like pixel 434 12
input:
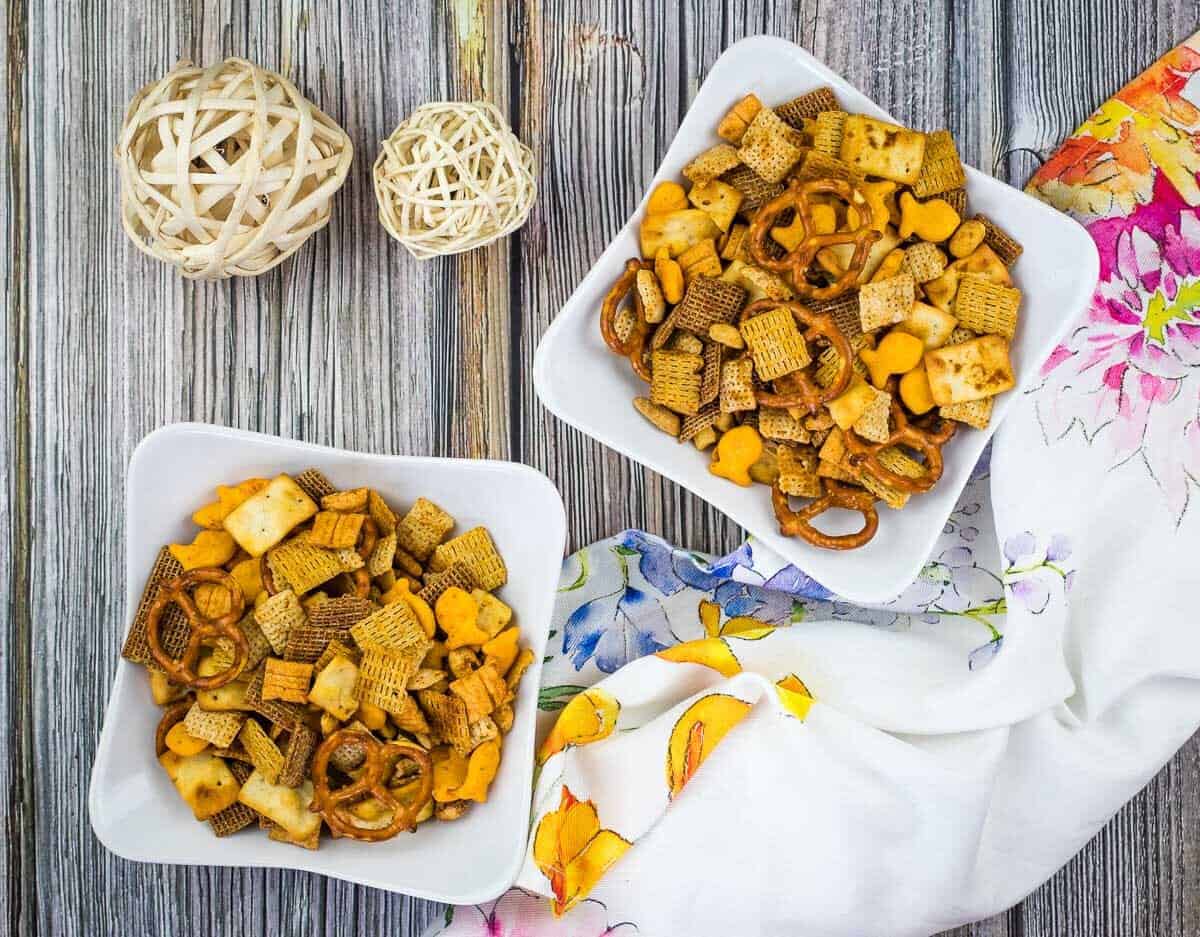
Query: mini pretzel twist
pixel 864 454
pixel 834 495
pixel 367 538
pixel 634 346
pixel 178 592
pixel 798 389
pixel 798 195
pixel 332 804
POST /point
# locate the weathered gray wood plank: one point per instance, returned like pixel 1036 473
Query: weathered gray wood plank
pixel 352 343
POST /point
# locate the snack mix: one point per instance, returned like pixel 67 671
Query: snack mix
pixel 818 310
pixel 324 662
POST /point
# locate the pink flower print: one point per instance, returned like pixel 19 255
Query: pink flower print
pixel 1129 375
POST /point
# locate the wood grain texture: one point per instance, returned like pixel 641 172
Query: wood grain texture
pixel 352 343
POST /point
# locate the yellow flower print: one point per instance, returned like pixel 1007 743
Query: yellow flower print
pixel 697 732
pixel 741 626
pixel 711 652
pixel 573 852
pixel 589 717
pixel 794 695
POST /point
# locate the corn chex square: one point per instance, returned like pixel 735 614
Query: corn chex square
pixel 264 753
pixel 798 471
pixel 924 261
pixel 737 386
pixel 768 146
pixel 383 516
pixel 886 302
pixel 277 616
pixel 775 343
pixel 873 423
pixel 819 166
pixel 476 549
pixel 382 678
pixel 423 528
pixel 711 163
pixel 218 728
pixel 256 641
pixel 976 413
pixel 395 629
pixel 675 380
pixel 986 307
pixel 941 170
pixel 302 566
pixel 827 133
pixel 774 423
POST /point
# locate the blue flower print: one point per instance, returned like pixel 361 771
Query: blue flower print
pixel 667 569
pixel 613 629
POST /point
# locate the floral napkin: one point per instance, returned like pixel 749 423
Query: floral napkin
pixel 730 749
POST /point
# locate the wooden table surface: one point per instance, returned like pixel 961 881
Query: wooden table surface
pixel 352 343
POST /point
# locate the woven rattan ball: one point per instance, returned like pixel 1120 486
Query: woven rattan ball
pixel 227 170
pixel 453 177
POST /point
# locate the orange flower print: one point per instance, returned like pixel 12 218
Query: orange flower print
pixel 697 732
pixel 573 852
pixel 589 717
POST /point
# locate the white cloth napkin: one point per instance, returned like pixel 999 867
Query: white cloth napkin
pixel 907 768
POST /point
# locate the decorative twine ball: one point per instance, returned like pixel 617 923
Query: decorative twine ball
pixel 227 170
pixel 453 177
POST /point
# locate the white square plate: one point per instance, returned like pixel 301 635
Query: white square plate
pixel 584 384
pixel 134 809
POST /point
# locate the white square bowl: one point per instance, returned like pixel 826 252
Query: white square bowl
pixel 584 384
pixel 135 811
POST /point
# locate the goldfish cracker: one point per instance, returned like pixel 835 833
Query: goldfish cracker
pixel 457 614
pixel 934 220
pixel 502 649
pixel 896 353
pixel 183 743
pixel 890 266
pixel 880 197
pixel 212 516
pixel 449 773
pixel 209 548
pixel 248 574
pixel 667 196
pixel 402 592
pixel 481 771
pixel 915 392
pixel 670 275
pixel 736 451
